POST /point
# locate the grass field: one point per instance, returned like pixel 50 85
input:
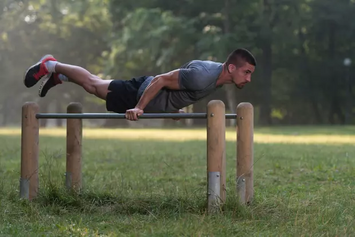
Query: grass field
pixel 151 182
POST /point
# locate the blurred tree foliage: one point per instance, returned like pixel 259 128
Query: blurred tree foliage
pixel 300 46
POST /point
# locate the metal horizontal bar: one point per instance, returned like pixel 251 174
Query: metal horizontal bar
pixel 123 116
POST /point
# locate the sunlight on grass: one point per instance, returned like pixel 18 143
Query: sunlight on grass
pixel 151 187
pixel 191 134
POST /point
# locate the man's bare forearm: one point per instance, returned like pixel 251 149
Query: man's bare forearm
pixel 149 93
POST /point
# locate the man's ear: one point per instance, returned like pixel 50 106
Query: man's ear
pixel 231 68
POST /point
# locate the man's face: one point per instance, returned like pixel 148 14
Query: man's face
pixel 241 75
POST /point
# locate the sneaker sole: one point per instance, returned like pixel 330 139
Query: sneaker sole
pixel 45 80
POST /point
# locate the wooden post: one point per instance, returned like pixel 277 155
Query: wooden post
pixel 245 153
pixel 29 182
pixel 216 159
pixel 73 175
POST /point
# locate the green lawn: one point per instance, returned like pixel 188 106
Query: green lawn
pixel 153 183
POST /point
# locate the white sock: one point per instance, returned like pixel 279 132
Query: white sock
pixel 63 77
pixel 50 65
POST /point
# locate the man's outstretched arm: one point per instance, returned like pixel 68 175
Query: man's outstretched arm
pixel 168 80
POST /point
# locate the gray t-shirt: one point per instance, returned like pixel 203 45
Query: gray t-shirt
pixel 197 79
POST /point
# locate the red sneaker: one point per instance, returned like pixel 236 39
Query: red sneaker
pixel 37 71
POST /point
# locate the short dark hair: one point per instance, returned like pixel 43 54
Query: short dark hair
pixel 239 56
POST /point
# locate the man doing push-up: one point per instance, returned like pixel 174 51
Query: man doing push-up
pixel 167 92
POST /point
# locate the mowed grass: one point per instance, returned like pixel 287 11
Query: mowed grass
pixel 151 182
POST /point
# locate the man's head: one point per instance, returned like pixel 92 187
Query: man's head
pixel 240 64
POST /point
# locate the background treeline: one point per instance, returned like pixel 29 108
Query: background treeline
pixel 300 46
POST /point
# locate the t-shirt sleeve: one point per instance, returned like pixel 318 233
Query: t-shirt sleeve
pixel 194 78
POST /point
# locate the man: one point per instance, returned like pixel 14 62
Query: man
pixel 168 92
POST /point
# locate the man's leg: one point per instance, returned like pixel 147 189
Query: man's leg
pixel 51 72
pixel 82 77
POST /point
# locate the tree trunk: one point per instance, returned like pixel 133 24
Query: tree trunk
pixel 304 67
pixel 44 108
pixel 58 122
pixel 5 112
pixel 317 114
pixel 335 109
pixel 230 90
pixel 200 107
pixel 349 101
pixel 232 103
pixel 266 46
pixel 335 114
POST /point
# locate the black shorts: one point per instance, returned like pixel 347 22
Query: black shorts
pixel 123 94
